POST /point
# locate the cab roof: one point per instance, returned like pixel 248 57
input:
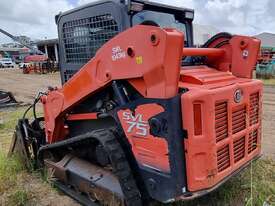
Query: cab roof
pixel 147 4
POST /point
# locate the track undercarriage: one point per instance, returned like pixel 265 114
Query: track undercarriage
pixel 99 175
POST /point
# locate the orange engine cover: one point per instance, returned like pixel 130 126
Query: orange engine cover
pixel 222 115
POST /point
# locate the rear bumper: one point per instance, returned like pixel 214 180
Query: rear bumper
pixel 7 65
pixel 193 195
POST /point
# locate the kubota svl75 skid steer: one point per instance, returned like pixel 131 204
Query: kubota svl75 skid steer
pixel 147 117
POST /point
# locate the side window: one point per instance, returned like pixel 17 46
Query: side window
pixel 162 19
pixel 83 37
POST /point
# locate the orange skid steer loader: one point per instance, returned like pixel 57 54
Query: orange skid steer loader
pixel 142 116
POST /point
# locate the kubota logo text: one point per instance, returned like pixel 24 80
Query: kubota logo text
pixel 136 124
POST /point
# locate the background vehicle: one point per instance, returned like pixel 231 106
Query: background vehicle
pixel 6 63
pixel 23 65
pixel 141 115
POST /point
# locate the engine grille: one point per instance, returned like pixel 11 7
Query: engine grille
pixel 239 149
pixel 223 158
pixel 254 108
pixel 252 141
pixel 232 142
pixel 221 121
pixel 238 119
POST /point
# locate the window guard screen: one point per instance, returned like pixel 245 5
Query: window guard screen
pixel 83 37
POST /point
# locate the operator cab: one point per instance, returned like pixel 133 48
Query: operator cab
pixel 82 31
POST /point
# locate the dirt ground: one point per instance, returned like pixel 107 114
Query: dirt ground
pixel 26 86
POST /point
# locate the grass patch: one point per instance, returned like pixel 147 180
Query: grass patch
pixel 269 82
pixel 237 191
pixel 10 117
pixel 9 169
pixel 8 121
pixel 18 198
pixel 11 192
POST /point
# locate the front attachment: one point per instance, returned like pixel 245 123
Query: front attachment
pixel 26 140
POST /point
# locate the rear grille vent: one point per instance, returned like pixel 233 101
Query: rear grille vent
pixel 239 120
pixel 239 149
pixel 221 121
pixel 223 158
pixel 252 141
pixel 254 108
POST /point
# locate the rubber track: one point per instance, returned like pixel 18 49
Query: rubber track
pixel 117 158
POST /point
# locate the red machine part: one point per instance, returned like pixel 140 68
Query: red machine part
pixel 154 56
pixel 149 58
pixel 35 58
pixel 34 64
pixel 223 133
pixel 149 151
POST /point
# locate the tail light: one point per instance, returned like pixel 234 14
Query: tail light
pixel 197 119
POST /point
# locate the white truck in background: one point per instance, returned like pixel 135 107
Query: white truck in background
pixel 6 63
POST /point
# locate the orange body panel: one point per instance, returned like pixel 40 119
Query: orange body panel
pixel 225 141
pixel 85 116
pixel 209 52
pixel 240 56
pixel 154 63
pixel 148 150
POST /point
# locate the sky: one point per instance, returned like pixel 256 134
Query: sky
pixel 35 18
